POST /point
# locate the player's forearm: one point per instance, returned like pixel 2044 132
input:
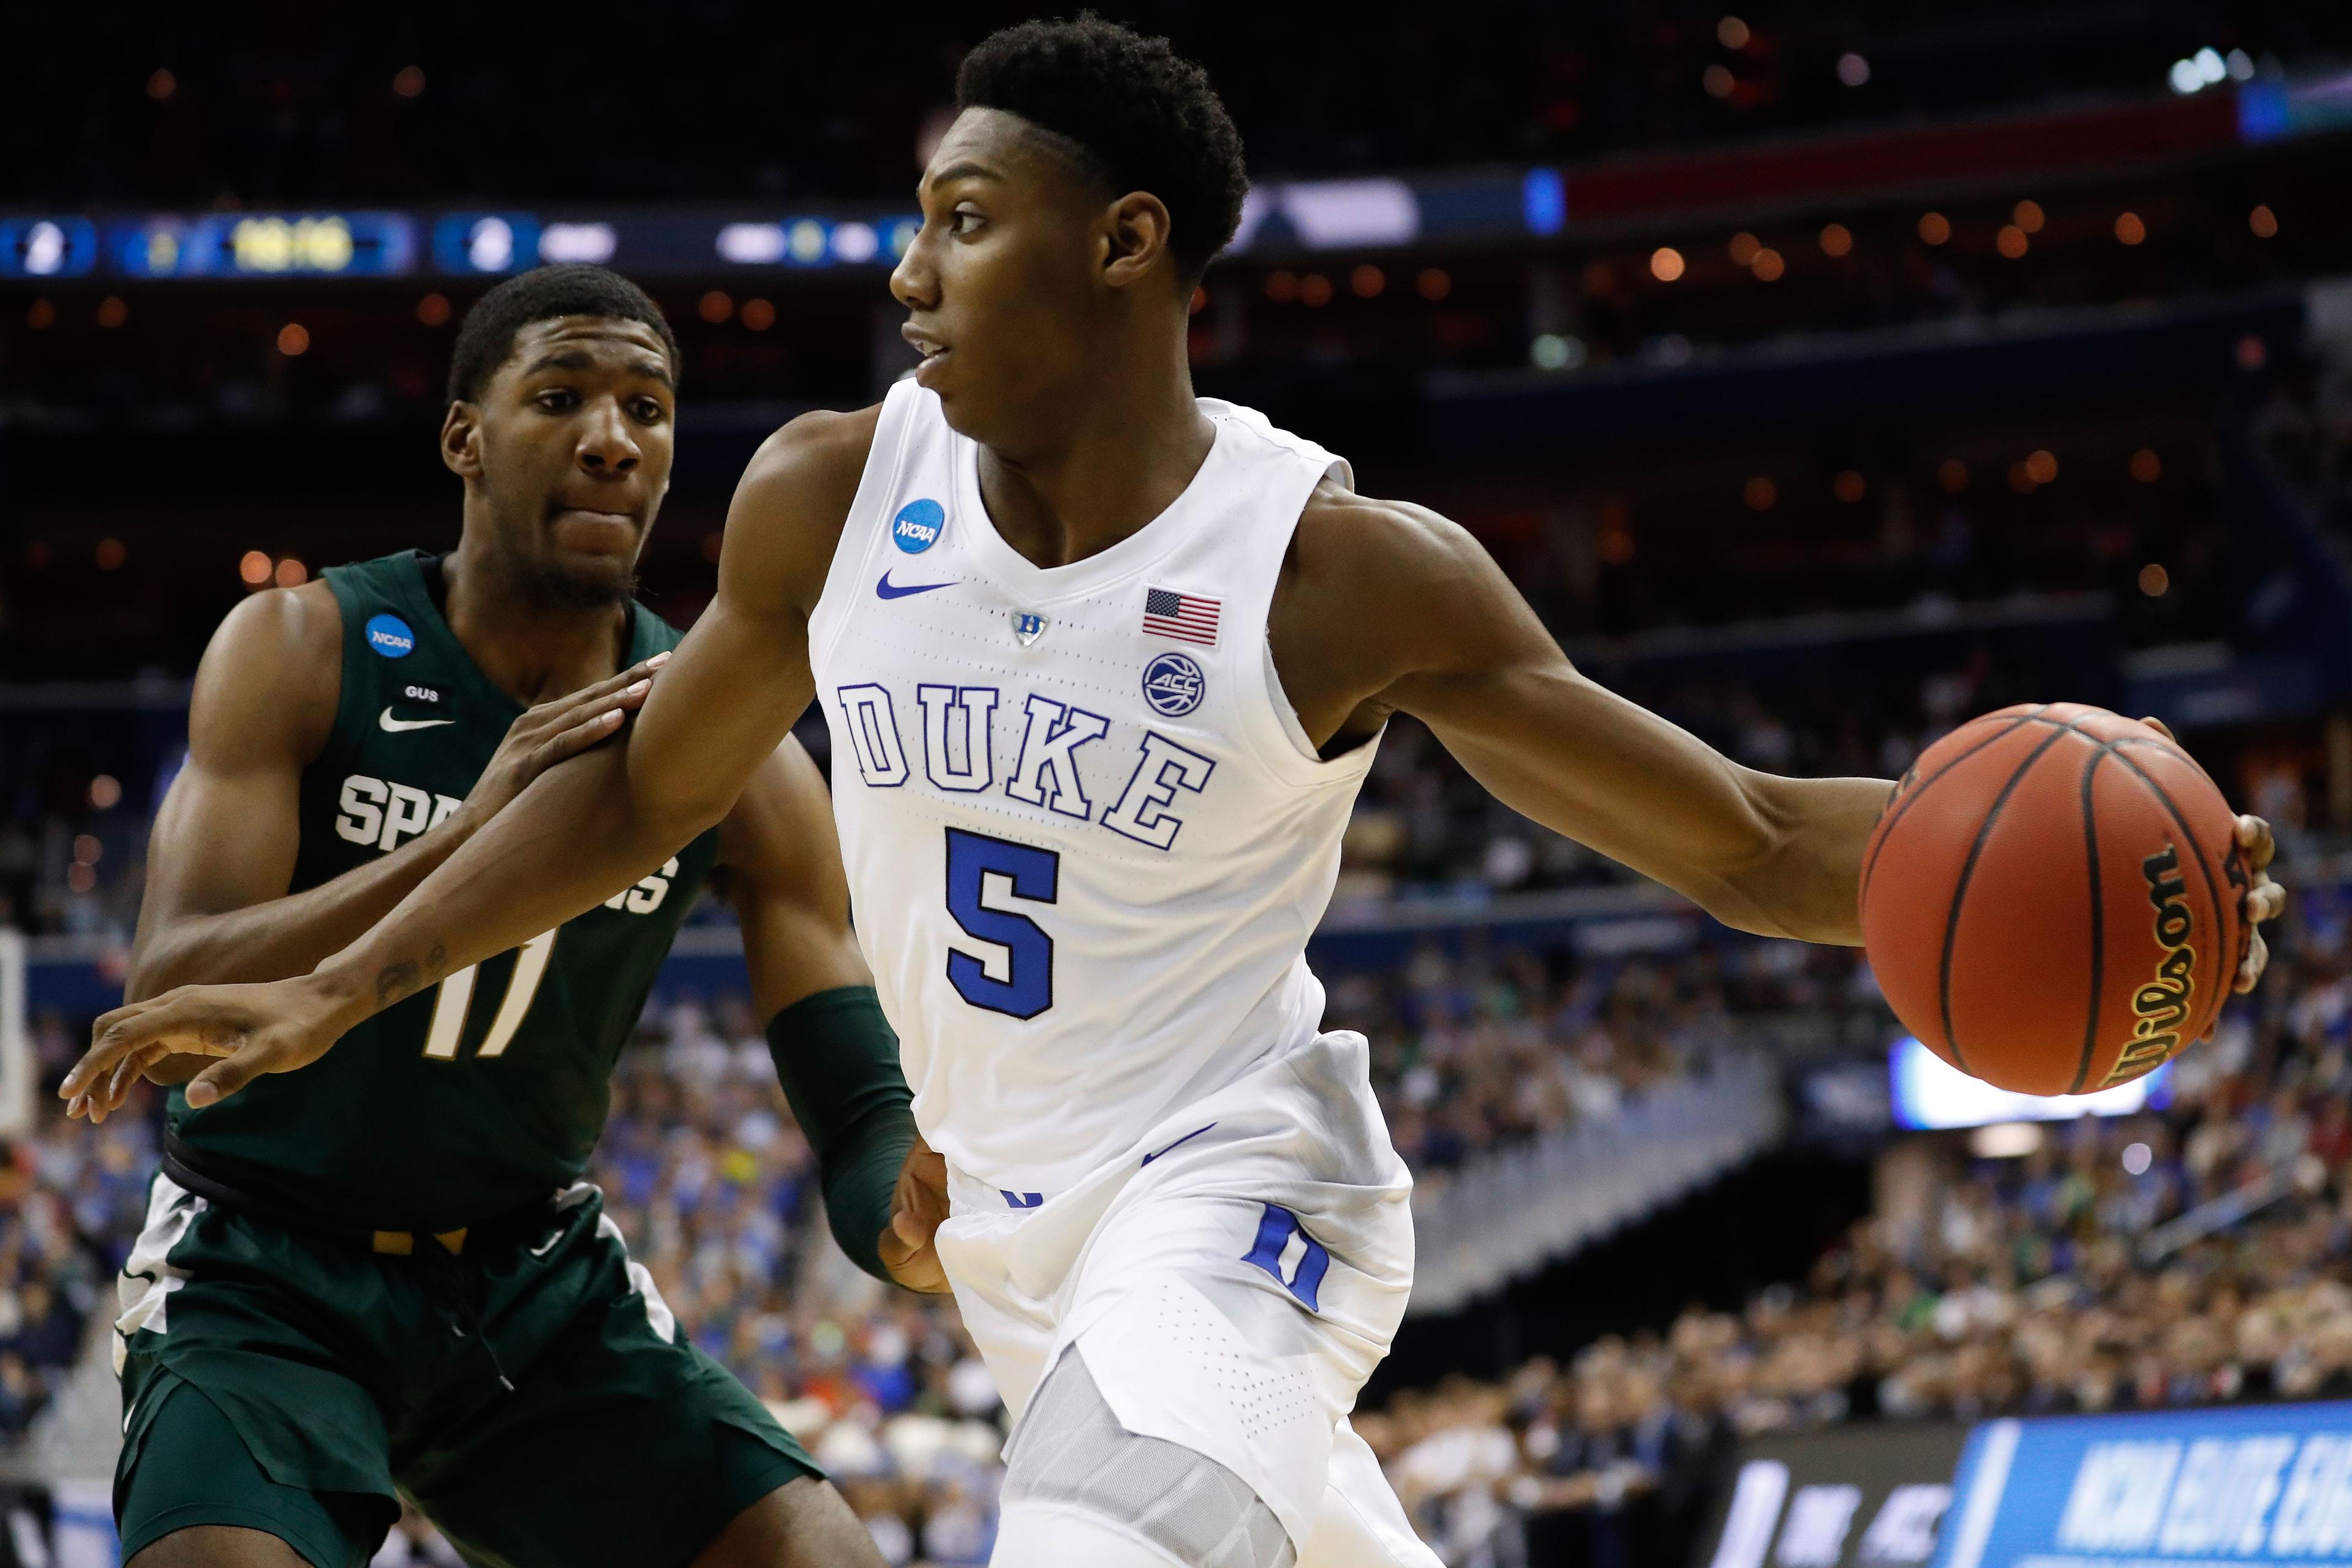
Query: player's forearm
pixel 290 935
pixel 575 838
pixel 1806 884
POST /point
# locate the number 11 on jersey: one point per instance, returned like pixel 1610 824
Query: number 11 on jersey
pixel 457 993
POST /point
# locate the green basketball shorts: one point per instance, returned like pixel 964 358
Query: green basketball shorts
pixel 531 1394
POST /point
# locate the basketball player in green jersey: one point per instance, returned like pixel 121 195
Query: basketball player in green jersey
pixel 387 1277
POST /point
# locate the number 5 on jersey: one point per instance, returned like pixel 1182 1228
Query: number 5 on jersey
pixel 1029 874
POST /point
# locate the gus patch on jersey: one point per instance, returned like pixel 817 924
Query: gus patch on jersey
pixel 918 525
pixel 390 637
pixel 1173 685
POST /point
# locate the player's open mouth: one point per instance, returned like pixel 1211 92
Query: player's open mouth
pixel 931 348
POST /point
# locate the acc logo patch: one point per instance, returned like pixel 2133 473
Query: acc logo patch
pixel 390 637
pixel 1173 685
pixel 918 525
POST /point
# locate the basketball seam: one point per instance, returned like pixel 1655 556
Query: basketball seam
pixel 2224 977
pixel 2098 919
pixel 1896 808
pixel 1967 870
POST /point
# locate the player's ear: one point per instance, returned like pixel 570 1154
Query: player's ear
pixel 460 446
pixel 1138 238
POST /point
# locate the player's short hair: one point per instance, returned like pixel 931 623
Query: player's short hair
pixel 486 337
pixel 1139 115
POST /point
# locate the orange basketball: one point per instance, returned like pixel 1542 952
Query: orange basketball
pixel 2053 901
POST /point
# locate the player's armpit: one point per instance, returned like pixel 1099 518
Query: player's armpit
pixel 1385 606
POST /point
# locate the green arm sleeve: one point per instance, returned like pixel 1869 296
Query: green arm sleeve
pixel 838 1062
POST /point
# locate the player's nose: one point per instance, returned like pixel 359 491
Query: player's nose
pixel 915 282
pixel 607 446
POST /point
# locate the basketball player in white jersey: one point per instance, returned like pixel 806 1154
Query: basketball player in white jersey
pixel 1104 665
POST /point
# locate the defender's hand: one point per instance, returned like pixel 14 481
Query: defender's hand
pixel 273 1027
pixel 916 1208
pixel 557 729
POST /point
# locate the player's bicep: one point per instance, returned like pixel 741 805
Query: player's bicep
pixel 780 868
pixel 1497 692
pixel 227 831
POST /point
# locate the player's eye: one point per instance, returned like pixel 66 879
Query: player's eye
pixel 963 221
pixel 558 399
pixel 647 411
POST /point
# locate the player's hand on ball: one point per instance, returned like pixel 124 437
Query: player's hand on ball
pixel 558 729
pixel 916 1208
pixel 2265 900
pixel 257 1028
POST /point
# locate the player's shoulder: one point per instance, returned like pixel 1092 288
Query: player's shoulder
pixel 821 451
pixel 303 626
pixel 1351 537
pixel 791 506
pixel 274 664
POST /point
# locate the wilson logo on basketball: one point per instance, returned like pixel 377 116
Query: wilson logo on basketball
pixel 2162 1004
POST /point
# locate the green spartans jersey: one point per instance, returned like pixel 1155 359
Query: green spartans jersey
pixel 486 1091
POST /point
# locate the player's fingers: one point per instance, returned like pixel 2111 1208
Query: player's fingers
pixel 112 1035
pixel 223 1078
pixel 577 739
pixel 2266 901
pixel 627 689
pixel 2255 839
pixel 2161 728
pixel 2258 958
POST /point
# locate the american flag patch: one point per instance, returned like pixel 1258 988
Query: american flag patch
pixel 1187 617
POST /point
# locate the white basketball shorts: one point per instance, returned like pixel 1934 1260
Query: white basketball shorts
pixel 1232 1281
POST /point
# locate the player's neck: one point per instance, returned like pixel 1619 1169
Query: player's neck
pixel 531 651
pixel 1126 451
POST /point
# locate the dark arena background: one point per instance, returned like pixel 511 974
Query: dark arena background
pixel 1825 375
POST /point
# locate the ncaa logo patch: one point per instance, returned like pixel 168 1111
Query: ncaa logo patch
pixel 390 635
pixel 1173 685
pixel 918 525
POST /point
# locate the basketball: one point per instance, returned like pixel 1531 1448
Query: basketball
pixel 2052 901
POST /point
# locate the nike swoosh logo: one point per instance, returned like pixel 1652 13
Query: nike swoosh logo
pixel 1179 1144
pixel 393 726
pixel 889 591
pixel 542 1249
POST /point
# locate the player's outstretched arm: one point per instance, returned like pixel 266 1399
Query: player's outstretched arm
pixel 836 1058
pixel 583 829
pixel 221 851
pixel 1387 606
pixel 1401 610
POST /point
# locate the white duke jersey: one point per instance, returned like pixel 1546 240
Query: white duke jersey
pixel 1086 837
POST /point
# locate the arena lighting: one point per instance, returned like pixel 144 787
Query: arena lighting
pixel 578 242
pixel 105 792
pixel 1666 264
pixel 2205 68
pixel 751 244
pixel 2005 1141
pixel 1744 247
pixel 1929 1092
pixel 1853 70
pixel 47 248
pixel 2137 1158
pixel 253 569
